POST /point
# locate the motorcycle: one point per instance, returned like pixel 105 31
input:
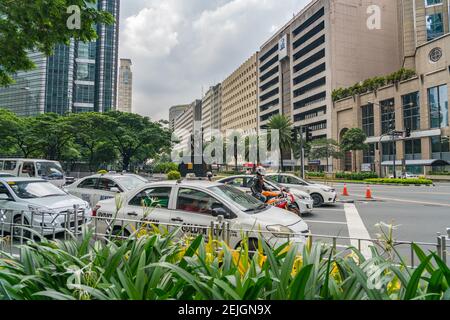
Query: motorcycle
pixel 282 200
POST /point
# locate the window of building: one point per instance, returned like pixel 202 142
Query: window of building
pixel 432 2
pixel 413 149
pixel 368 120
pixel 387 115
pixel 435 26
pixel 438 104
pixel 411 111
pixel 369 154
pixel 388 148
pixel 440 148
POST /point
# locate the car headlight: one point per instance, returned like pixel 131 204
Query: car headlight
pixel 280 231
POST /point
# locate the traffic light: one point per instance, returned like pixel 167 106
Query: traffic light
pixel 294 136
pixel 308 135
pixel 408 132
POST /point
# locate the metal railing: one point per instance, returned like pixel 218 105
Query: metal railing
pixel 16 229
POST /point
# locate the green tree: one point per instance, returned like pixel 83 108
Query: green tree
pixel 284 126
pixel 39 26
pixel 325 149
pixel 354 140
pixel 135 136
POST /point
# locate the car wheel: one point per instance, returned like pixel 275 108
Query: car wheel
pixel 252 246
pixel 295 209
pixel 318 200
pixel 17 231
pixel 119 233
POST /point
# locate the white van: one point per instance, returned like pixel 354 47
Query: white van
pixel 34 168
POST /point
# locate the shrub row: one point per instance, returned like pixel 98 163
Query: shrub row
pixel 316 174
pixel 441 173
pixel 173 175
pixel 358 176
pixel 400 181
pixel 165 167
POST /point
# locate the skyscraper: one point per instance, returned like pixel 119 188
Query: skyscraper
pixel 125 86
pixel 78 77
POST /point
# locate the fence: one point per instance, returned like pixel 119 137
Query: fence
pixel 16 228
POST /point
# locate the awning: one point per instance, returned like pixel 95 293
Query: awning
pixel 424 163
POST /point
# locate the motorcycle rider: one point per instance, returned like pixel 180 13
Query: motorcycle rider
pixel 258 185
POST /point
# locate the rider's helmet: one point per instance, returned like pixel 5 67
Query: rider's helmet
pixel 260 171
pixel 209 175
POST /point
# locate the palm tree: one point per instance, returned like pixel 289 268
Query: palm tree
pixel 284 126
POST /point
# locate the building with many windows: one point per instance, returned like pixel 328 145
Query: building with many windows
pixel 174 113
pixel 419 104
pixel 125 101
pixel 78 77
pixel 239 98
pixel 185 125
pixel 212 110
pixel 327 45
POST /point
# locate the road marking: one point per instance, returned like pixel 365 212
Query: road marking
pixel 409 201
pixel 330 209
pixel 325 222
pixel 357 229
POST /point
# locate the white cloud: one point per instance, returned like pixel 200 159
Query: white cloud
pixel 180 46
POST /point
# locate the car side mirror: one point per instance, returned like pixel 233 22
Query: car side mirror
pixel 5 197
pixel 219 211
pixel 115 189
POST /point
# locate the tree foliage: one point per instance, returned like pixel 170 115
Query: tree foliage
pixel 40 25
pixel 284 126
pixel 96 139
pixel 354 140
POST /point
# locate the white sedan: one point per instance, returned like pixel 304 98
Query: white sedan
pixel 194 205
pixel 321 194
pixel 45 207
pixel 104 186
pixel 243 182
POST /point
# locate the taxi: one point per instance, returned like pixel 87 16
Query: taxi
pixel 104 186
pixel 191 206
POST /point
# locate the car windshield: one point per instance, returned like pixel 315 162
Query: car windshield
pixel 131 182
pixel 35 189
pixel 244 201
pixel 49 170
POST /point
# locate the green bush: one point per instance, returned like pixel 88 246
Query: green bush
pixel 156 266
pixel 165 167
pixel 440 173
pixel 356 176
pixel 174 175
pixel 316 174
pixel 400 181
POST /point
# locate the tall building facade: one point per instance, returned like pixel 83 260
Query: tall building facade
pixel 239 98
pixel 327 45
pixel 78 77
pixel 419 104
pixel 184 124
pixel 125 103
pixel 174 113
pixel 212 109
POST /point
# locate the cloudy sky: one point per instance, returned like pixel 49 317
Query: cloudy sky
pixel 180 46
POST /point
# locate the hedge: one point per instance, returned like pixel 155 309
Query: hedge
pixel 400 181
pixel 316 174
pixel 356 175
pixel 165 167
pixel 173 175
pixel 443 173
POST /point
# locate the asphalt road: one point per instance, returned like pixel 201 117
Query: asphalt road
pixel 417 212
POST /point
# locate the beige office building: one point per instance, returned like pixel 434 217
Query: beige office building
pixel 125 102
pixel 184 124
pixel 239 98
pixel 174 113
pixel 212 110
pixel 327 45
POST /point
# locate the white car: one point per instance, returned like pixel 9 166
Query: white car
pixel 243 182
pixel 321 194
pixel 194 205
pixel 405 175
pixel 45 207
pixel 104 186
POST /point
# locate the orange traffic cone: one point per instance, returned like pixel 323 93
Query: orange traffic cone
pixel 368 193
pixel 345 192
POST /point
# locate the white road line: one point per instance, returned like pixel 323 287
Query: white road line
pixel 325 222
pixel 357 229
pixel 408 201
pixel 326 209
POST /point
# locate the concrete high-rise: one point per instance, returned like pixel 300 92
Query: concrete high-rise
pixel 125 103
pixel 78 77
pixel 327 45
pixel 212 109
pixel 174 113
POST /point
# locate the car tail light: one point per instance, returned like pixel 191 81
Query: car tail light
pixel 94 211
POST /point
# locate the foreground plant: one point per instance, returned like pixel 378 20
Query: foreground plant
pixel 158 267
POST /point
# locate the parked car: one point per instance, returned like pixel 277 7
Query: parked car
pixel 44 205
pixel 104 186
pixel 194 205
pixel 243 182
pixel 5 175
pixel 321 194
pixel 405 175
pixel 35 168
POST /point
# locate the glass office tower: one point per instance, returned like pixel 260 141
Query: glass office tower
pixel 79 77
